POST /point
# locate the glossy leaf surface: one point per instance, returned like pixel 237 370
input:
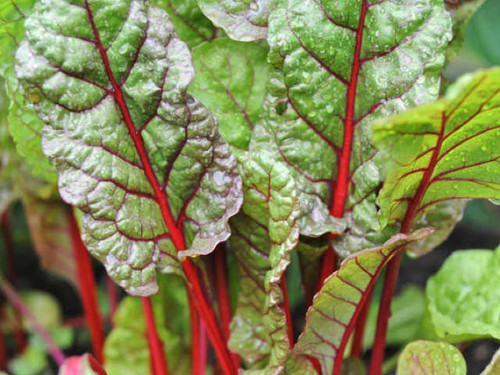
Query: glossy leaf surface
pixel 242 20
pixel 444 151
pixel 141 158
pixel 462 296
pixel 342 65
pixel 331 318
pixel 231 80
pixel 189 22
pixel 431 358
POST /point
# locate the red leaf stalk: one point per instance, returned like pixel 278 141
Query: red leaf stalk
pixel 19 305
pixel 158 358
pixel 112 296
pixel 222 292
pixel 198 347
pixel 87 288
pixel 3 354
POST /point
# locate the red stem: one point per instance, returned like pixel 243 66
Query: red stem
pixel 359 330
pixel 3 353
pixel 203 358
pixel 391 276
pixel 222 292
pixel 196 365
pixel 175 228
pixel 19 335
pixel 87 288
pixel 328 264
pixel 19 305
pixel 112 297
pixel 158 358
pixel 288 313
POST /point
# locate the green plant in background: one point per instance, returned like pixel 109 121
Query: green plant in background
pixel 205 145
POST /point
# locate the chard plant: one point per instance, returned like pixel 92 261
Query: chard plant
pixel 199 149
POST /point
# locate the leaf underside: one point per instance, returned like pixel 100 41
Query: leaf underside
pixel 331 318
pixel 81 365
pixel 431 358
pixel 323 99
pixel 141 158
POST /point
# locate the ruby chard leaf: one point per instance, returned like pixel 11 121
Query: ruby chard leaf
pixel 141 158
pixel 231 80
pixel 190 23
pixel 431 358
pixel 331 318
pixel 241 20
pixel 81 365
pixel 444 151
pixel 342 65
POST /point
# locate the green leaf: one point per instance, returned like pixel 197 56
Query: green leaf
pixel 141 158
pixel 24 125
pixel 231 80
pixel 81 365
pixel 241 20
pixel 49 230
pixel 461 15
pixel 408 310
pixel 190 23
pixel 323 98
pixel 331 318
pixel 31 362
pixel 431 358
pixel 463 296
pixel 444 151
pixel 494 366
pixel 126 347
pixel 272 209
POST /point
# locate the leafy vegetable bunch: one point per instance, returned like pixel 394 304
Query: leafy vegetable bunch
pixel 207 145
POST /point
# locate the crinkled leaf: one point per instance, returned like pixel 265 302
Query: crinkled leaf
pixel 443 151
pixel 231 80
pixel 493 367
pixel 463 296
pixel 126 347
pixel 342 65
pixel 461 15
pixel 271 206
pixel 408 310
pixel 138 156
pixel 431 358
pixel 190 23
pixel 81 365
pixel 330 320
pixel 242 20
pixel 49 229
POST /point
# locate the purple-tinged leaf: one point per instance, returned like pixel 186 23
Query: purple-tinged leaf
pixel 81 365
pixel 331 318
pixel 141 158
pixel 342 65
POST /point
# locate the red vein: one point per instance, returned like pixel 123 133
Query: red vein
pixel 342 184
pixel 177 237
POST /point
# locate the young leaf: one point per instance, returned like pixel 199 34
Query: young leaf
pixel 49 230
pixel 190 23
pixel 443 151
pixel 342 65
pixel 231 80
pixel 81 365
pixel 462 297
pixel 138 156
pixel 241 20
pixel 126 348
pixel 264 235
pixel 461 15
pixel 330 320
pixel 431 358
